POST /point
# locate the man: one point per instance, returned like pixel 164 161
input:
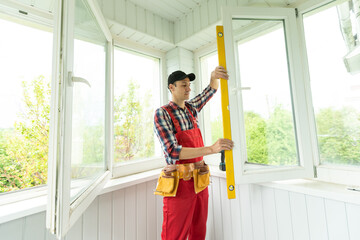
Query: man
pixel 176 125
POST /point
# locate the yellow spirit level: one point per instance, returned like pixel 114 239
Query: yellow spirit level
pixel 230 180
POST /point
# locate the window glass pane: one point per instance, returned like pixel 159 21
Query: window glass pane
pixel 214 127
pixel 335 92
pixel 266 93
pixel 88 113
pixel 24 104
pixel 136 96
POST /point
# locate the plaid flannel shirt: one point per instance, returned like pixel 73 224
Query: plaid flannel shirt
pixel 165 129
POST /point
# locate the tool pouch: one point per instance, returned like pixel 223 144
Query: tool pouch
pixel 168 182
pixel 201 178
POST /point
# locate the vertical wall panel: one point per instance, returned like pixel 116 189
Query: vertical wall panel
pixel 90 221
pixel 210 227
pixel 213 17
pixel 269 209
pixel 140 19
pixel 151 212
pixel 336 220
pixel 245 209
pixel 34 227
pixel 204 15
pixel 105 216
pixel 225 210
pixel 299 216
pixel 196 19
pixel 283 213
pixel 159 217
pixel 150 23
pixel 353 219
pixel 317 218
pixel 190 24
pixel 141 211
pixel 120 11
pixel 118 203
pixel 158 27
pixel 167 31
pixel 130 213
pixel 217 208
pixel 257 212
pixel 130 14
pixel 12 230
pixel 76 232
pixel 108 8
pixel 236 216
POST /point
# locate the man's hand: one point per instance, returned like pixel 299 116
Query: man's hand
pixel 219 72
pixel 222 144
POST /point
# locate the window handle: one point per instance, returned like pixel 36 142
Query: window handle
pixel 72 79
pixel 235 90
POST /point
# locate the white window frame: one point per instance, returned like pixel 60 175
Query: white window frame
pixel 213 159
pixel 305 148
pixel 62 213
pixel 146 164
pixel 346 175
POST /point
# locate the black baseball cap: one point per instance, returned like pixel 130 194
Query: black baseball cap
pixel 180 75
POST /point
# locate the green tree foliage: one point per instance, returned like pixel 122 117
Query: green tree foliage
pixel 134 136
pixel 24 149
pixel 281 140
pixel 255 128
pixel 339 135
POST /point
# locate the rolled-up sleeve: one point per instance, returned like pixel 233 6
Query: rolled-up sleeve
pixel 199 101
pixel 165 132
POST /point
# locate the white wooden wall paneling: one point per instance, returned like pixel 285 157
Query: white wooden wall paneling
pixel 159 216
pixel 189 24
pixel 245 209
pixel 353 220
pixel 257 212
pixel 213 12
pixel 118 203
pixel 105 216
pixel 90 221
pixel 317 218
pixel 151 211
pixel 141 211
pixel 204 17
pixel 34 227
pixel 210 227
pixel 283 213
pixel 130 213
pixel 217 209
pixel 137 19
pixel 270 219
pixel 150 27
pixel 120 11
pixel 299 216
pixel 225 210
pixel 76 232
pixel 336 220
pixel 12 230
pixel 141 19
pixel 196 19
pixel 235 212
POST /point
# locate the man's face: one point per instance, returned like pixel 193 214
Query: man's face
pixel 180 90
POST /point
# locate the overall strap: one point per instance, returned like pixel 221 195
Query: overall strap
pixel 176 122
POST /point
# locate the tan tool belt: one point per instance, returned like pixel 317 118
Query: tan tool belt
pixel 168 181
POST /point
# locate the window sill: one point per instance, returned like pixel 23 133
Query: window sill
pixel 313 187
pixel 23 208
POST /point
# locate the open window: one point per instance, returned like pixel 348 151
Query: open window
pixel 269 118
pixel 80 132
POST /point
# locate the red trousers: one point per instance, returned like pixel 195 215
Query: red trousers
pixel 185 215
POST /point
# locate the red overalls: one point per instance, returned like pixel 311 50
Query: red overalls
pixel 185 215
